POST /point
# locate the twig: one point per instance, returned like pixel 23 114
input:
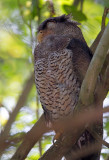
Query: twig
pixel 76 2
pixel 96 41
pixel 97 137
pixel 12 140
pixel 106 11
pixel 21 13
pixel 37 114
pixel 51 8
pixel 105 143
pixel 81 5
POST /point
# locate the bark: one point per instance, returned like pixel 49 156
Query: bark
pixel 58 148
pixel 107 158
pixel 64 144
pixel 89 83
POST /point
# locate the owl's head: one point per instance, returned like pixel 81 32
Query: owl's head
pixel 56 25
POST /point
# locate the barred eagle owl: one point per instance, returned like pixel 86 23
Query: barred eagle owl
pixel 61 61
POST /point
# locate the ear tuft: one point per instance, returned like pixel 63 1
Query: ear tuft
pixel 69 16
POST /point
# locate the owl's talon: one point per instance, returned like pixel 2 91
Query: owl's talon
pixel 57 136
pixel 54 140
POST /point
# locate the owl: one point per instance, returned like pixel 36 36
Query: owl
pixel 61 59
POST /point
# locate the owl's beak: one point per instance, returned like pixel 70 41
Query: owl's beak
pixel 39 37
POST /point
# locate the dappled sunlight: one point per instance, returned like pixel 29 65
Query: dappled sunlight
pixel 9 44
pixel 4 115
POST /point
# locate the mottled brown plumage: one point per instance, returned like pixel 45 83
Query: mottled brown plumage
pixel 59 70
pixel 61 61
pixel 56 80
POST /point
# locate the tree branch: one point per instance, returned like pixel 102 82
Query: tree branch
pixel 40 128
pixel 76 2
pixel 21 101
pixel 89 83
pixel 102 74
pixel 97 137
pixel 51 8
pixel 30 139
pixel 106 79
pixel 81 5
pixel 37 114
pixel 68 140
pixel 12 140
pixel 105 143
pixel 85 151
pixel 21 13
pixel 107 158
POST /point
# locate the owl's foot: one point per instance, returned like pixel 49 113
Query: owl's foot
pixel 57 136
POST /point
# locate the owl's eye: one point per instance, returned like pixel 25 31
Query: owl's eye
pixel 41 32
pixel 51 25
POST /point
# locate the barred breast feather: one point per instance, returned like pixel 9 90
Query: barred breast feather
pixel 57 84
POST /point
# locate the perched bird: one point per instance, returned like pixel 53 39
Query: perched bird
pixel 61 59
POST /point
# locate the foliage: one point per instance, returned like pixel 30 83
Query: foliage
pixel 18 23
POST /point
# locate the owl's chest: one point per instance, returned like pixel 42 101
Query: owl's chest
pixel 49 68
pixel 57 83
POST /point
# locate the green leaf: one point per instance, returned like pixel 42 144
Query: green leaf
pixel 77 15
pixel 104 155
